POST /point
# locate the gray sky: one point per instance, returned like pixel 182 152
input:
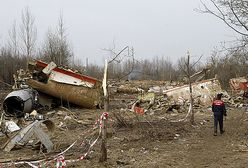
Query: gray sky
pixel 153 27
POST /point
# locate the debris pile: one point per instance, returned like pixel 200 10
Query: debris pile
pixel 239 90
pixel 165 96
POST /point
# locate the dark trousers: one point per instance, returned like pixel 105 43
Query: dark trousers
pixel 218 119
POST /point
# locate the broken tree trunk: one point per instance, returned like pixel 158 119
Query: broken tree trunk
pixel 104 124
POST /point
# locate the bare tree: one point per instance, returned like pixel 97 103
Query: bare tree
pixel 188 69
pixel 192 118
pixel 116 57
pixel 51 48
pixel 13 40
pixel 65 52
pixel 56 47
pixel 234 13
pixel 28 33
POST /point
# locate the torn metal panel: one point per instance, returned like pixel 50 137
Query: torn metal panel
pixel 26 133
pixel 237 84
pixel 19 102
pixel 66 85
pixel 43 137
pixel 205 91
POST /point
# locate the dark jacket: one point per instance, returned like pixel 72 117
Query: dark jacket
pixel 218 108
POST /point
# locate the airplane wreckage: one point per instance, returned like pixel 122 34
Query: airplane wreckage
pixel 43 83
pixel 34 88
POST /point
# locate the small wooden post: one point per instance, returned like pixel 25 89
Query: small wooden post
pixel 104 119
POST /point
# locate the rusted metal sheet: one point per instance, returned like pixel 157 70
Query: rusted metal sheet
pixel 237 84
pixel 64 84
pixel 203 91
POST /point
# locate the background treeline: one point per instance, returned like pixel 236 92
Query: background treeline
pixel 158 68
pixel 21 47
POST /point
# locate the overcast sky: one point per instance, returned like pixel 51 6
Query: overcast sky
pixel 153 27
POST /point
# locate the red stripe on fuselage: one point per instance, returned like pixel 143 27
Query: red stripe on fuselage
pixel 75 75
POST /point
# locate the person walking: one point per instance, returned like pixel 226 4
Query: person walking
pixel 219 110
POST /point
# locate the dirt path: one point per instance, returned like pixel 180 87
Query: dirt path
pixel 196 149
pixel 227 150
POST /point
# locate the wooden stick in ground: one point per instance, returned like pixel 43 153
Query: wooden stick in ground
pixel 104 124
pixel 104 141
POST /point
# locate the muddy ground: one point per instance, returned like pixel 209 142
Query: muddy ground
pixel 150 140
